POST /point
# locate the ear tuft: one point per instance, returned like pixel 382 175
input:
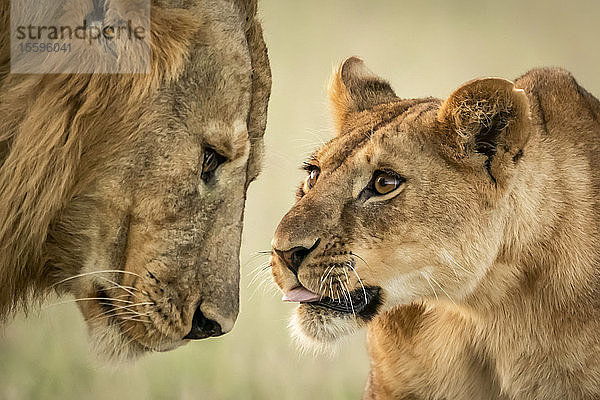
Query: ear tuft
pixel 354 88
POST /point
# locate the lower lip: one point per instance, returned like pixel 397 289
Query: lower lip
pixel 359 307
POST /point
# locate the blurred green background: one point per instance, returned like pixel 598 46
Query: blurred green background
pixel 424 48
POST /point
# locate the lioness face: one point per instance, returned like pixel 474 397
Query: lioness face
pixel 394 209
pixel 149 243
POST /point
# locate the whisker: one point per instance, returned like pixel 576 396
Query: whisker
pixel 260 267
pixel 256 256
pixel 449 256
pixel 360 258
pixel 137 295
pixel 120 314
pixel 262 284
pixel 432 288
pixel 110 313
pixel 348 291
pixel 322 280
pixel 455 273
pixel 136 319
pixel 350 297
pixel 440 286
pixel 341 288
pixel 339 291
pixel 118 285
pixel 346 275
pixel 125 287
pixel 127 306
pixel 359 281
pixel 331 267
pixel 121 295
pixel 126 333
pixel 258 272
pixel 92 273
pixel 331 287
pixel 83 299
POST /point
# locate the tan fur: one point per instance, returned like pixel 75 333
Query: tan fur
pixel 340 99
pixel 354 88
pixel 102 173
pixel 486 257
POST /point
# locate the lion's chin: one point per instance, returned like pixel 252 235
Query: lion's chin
pixel 318 326
pixel 111 346
pixel 319 330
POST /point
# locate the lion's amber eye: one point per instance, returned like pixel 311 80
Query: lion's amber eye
pixel 211 162
pixel 313 176
pixel 385 182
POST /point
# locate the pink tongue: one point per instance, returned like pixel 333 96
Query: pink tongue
pixel 301 295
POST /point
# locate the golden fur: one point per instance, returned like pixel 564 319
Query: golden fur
pixel 483 265
pixel 100 174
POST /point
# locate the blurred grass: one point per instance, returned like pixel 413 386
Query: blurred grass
pixel 423 48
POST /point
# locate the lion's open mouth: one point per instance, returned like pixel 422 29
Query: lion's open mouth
pixel 363 302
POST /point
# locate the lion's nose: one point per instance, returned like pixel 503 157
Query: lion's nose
pixel 203 327
pixel 293 257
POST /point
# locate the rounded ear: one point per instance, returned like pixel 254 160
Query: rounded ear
pixel 354 88
pixel 488 117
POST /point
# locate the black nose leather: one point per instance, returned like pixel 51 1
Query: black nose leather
pixel 203 327
pixel 293 257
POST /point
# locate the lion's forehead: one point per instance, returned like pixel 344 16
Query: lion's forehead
pixel 397 123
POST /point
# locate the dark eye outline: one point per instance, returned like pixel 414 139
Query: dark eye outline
pixel 211 162
pixel 314 177
pixel 313 173
pixel 303 188
pixel 371 191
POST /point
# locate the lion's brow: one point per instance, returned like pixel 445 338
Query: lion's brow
pixel 349 143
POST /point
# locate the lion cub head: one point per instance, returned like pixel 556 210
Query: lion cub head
pixel 402 205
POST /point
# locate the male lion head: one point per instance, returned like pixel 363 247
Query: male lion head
pixel 404 204
pixel 128 191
